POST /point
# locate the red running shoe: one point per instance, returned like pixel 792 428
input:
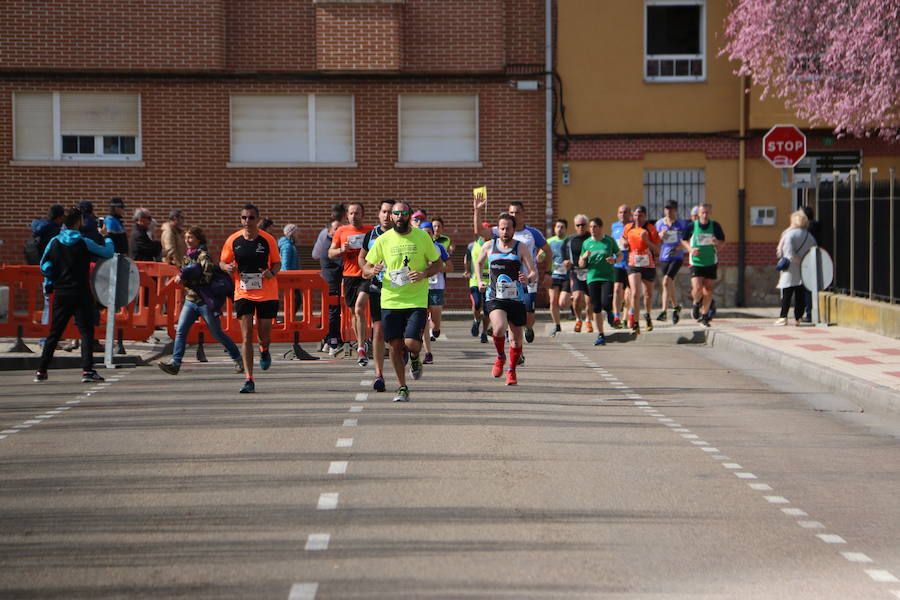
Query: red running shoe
pixel 511 377
pixel 497 371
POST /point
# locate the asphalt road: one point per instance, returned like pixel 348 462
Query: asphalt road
pixel 629 471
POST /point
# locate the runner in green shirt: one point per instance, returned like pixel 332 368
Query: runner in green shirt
pixel 598 255
pixel 480 320
pixel 705 240
pixel 408 258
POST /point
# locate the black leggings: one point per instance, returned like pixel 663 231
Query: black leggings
pixel 601 296
pixel 799 294
pixel 64 308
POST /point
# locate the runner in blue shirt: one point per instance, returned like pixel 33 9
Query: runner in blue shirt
pixel 672 230
pixel 621 291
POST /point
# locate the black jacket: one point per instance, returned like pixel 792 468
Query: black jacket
pixel 142 247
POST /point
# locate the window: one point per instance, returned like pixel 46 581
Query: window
pixel 438 129
pixel 674 40
pixel 685 186
pixel 293 129
pixel 76 126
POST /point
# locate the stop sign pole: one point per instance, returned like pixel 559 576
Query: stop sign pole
pixel 784 146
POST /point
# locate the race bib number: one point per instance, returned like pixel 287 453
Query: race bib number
pixel 559 269
pixel 581 274
pixel 434 279
pixel 705 239
pixel 507 290
pixel 671 236
pixel 623 243
pixel 532 287
pixel 251 281
pixel 356 241
pixel 399 277
pixel 641 260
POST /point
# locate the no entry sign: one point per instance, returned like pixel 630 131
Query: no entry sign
pixel 784 146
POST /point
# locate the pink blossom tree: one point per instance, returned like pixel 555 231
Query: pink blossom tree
pixel 835 62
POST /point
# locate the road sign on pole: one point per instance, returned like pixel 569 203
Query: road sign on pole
pixel 817 272
pixel 115 283
pixel 784 146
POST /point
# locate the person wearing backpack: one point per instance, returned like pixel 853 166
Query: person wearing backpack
pixel 42 231
pixel 66 266
pixel 203 297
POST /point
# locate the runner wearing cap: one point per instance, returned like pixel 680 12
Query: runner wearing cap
pixel 560 287
pixel 347 242
pixel 598 255
pixel 578 275
pixel 252 256
pixel 705 239
pixel 408 257
pixel 671 230
pixel 511 268
pixel 621 291
pixel 479 317
pixel 642 241
pixel 371 294
pixel 436 285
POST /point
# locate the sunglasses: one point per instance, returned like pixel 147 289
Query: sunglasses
pixel 247 217
pixel 580 224
pixel 402 212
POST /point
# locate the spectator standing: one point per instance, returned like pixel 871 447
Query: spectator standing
pixel 173 239
pixel 115 226
pixel 814 228
pixel 143 247
pixel 45 230
pixel 66 264
pixel 795 242
pixel 287 247
pixel 90 227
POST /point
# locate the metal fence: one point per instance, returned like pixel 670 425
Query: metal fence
pixel 858 228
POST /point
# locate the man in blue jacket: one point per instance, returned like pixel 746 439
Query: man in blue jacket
pixel 66 266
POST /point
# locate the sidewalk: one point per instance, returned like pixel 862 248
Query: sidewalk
pixel 862 365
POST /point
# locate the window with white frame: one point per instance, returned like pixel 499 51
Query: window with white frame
pixel 684 186
pixel 307 128
pixel 438 128
pixel 674 40
pixel 76 126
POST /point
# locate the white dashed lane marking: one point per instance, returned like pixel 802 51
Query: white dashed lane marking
pixel 362 397
pixel 317 542
pixel 856 557
pixel 830 538
pixel 303 591
pixel 344 443
pixel 338 467
pixel 351 422
pixel 882 576
pixel 328 501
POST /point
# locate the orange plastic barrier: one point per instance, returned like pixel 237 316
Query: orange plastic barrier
pixel 158 304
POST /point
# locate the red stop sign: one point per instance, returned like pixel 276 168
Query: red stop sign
pixel 784 146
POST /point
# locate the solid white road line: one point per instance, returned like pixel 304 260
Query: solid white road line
pixel 328 501
pixel 338 467
pixel 303 591
pixel 316 542
pixel 344 443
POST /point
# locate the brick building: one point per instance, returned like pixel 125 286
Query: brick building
pixel 294 105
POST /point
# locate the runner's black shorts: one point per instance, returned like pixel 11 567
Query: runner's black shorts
pixel 352 287
pixel 264 309
pixel 577 284
pixel 670 268
pixel 601 295
pixel 375 304
pixel 400 323
pixel 563 285
pixel 647 273
pixel 705 272
pixel 515 310
pixel 622 276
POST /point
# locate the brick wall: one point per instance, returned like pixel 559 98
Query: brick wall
pixel 77 35
pixel 360 37
pixel 436 39
pixel 271 35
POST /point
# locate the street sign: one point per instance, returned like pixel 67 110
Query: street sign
pixel 125 281
pixel 784 146
pixel 817 272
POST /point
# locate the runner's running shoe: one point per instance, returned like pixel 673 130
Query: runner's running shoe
pixel 402 394
pixel 429 359
pixel 265 358
pixel 249 387
pixel 168 367
pixel 663 317
pixel 529 334
pixel 40 376
pixel 600 341
pixel 695 311
pixel 521 360
pixel 556 331
pixel 636 328
pixel 378 386
pixel 497 371
pixel 704 320
pixel 610 319
pixel 590 326
pixel 415 367
pixel 649 321
pixel 90 376
pixel 577 326
pixel 511 377
pixel 617 323
pixel 476 325
pixel 239 366
pixel 363 360
pixel 712 310
pixel 484 337
pixel 676 315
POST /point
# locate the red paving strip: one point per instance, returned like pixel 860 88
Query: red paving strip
pixel 816 347
pixel 844 340
pixel 749 328
pixel 859 360
pixel 894 373
pixel 812 330
pixel 891 351
pixel 781 337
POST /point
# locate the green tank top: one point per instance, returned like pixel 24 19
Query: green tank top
pixel 702 238
pixel 473 256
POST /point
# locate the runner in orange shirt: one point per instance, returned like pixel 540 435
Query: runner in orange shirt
pixel 347 242
pixel 252 256
pixel 643 243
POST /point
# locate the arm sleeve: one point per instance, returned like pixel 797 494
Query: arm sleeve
pixel 105 251
pixel 227 254
pixel 373 255
pixel 431 253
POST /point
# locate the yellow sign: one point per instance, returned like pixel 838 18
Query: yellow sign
pixel 480 193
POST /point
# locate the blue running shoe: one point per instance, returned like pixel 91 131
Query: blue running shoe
pixel 600 341
pixel 378 386
pixel 476 325
pixel 265 359
pixel 249 387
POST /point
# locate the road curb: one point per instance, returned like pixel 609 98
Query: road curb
pixel 870 396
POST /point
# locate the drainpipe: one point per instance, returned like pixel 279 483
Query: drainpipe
pixel 739 296
pixel 548 93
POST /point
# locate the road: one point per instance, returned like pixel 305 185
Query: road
pixel 628 471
